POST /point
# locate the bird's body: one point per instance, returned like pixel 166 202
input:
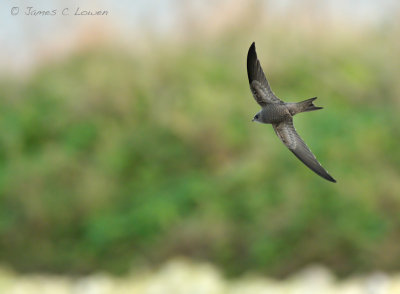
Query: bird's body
pixel 280 114
pixel 274 113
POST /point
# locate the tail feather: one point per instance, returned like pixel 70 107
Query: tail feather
pixel 303 106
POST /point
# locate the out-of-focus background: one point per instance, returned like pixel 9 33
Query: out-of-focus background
pixel 126 144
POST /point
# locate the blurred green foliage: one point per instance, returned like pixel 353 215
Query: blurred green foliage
pixel 111 159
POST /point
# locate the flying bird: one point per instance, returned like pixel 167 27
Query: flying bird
pixel 280 114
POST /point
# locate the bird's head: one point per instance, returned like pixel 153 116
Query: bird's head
pixel 257 117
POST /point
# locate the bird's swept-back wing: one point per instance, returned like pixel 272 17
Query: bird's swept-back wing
pixel 288 135
pixel 258 82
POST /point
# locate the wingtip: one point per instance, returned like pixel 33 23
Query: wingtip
pixel 252 48
pixel 333 180
pixel 330 179
pixel 251 62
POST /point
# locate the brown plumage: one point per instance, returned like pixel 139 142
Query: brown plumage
pixel 280 114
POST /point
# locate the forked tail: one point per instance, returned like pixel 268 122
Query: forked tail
pixel 303 106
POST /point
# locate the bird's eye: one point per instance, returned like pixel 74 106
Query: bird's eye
pixel 256 117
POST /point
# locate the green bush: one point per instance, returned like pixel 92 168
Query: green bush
pixel 109 160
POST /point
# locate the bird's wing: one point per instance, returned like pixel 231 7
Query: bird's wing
pixel 258 82
pixel 288 135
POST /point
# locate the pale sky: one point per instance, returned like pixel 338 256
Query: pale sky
pixel 22 36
